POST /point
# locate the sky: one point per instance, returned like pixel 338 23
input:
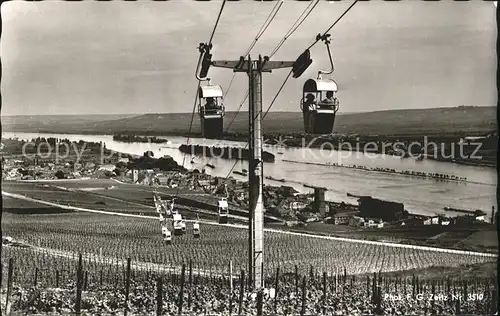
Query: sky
pixel 140 57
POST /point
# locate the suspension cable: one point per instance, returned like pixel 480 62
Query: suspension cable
pixel 261 32
pixel 295 26
pixel 239 108
pixel 289 74
pixel 277 94
pixel 197 91
pixel 302 17
pixel 334 23
pixel 317 40
pixel 266 24
pixel 217 22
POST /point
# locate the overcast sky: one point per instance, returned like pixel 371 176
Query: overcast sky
pixel 122 57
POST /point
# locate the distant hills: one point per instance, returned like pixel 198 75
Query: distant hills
pixel 465 119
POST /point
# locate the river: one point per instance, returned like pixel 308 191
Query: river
pixel 419 195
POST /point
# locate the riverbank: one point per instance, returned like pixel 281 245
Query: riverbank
pixel 223 152
pixel 138 139
pixel 426 197
pixel 436 176
pixel 480 152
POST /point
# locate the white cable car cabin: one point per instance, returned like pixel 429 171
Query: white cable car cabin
pixel 196 230
pixel 167 235
pixel 223 209
pixel 211 111
pixel 179 225
pixel 319 105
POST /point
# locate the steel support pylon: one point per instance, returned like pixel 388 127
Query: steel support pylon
pixel 256 205
pixel 254 70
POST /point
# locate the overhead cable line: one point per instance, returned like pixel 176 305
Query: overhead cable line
pixel 307 11
pixel 277 94
pixel 302 17
pixel 289 74
pixel 198 88
pixel 295 26
pixel 318 38
pixel 261 32
pixel 217 22
pixel 334 23
pixel 266 24
pixel 288 77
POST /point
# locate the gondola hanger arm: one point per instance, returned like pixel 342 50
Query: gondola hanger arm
pixel 326 38
pixel 204 61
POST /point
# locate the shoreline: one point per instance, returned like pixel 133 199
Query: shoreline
pixel 435 176
pixel 292 140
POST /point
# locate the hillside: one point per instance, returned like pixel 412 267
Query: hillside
pixel 35 123
pixel 414 121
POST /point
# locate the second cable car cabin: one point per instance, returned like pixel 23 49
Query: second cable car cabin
pixel 179 225
pixel 211 111
pixel 167 235
pixel 223 209
pixel 196 230
pixel 319 105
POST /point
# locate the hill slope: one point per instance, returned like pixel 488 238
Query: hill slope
pixel 414 121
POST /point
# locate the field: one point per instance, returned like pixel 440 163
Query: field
pixel 46 283
pixel 108 195
pixel 48 241
pixel 140 239
pixel 45 270
pixel 400 122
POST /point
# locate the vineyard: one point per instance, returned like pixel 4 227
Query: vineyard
pixel 126 265
pixel 140 239
pixel 42 281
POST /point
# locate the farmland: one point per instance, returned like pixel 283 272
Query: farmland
pixel 51 238
pixel 112 196
pixel 61 195
pixel 200 292
pixel 140 239
pixel 108 195
pixel 48 240
pixel 53 242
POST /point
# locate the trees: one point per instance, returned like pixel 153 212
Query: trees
pixel 23 172
pixel 108 173
pixel 60 174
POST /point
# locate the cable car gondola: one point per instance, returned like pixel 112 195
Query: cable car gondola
pixel 179 225
pixel 319 103
pixel 211 111
pixel 210 106
pixel 167 235
pixel 223 209
pixel 196 230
